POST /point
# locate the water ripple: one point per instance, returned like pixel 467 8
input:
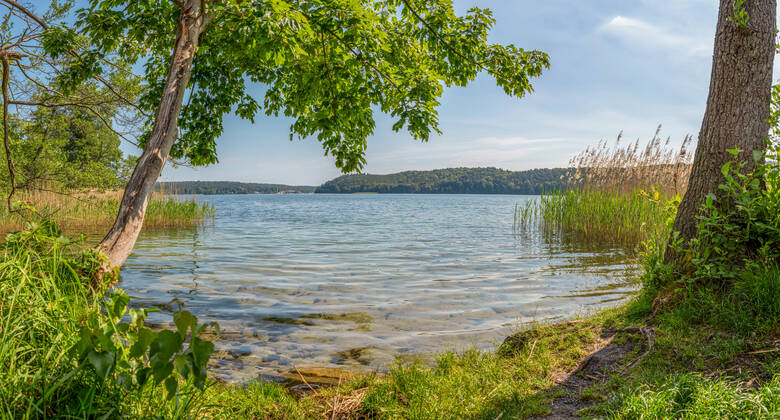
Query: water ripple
pixel 356 280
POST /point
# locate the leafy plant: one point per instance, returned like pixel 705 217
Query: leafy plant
pixel 130 354
pixel 739 228
pixel 739 15
pixel 71 348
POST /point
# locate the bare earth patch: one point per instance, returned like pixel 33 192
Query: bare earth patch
pixel 606 357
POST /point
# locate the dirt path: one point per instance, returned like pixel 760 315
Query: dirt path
pixel 605 359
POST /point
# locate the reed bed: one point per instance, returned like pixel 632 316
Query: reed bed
pixel 97 210
pixel 627 167
pixel 596 218
pixel 621 195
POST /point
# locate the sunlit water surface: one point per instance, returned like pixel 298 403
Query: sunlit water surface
pixel 355 281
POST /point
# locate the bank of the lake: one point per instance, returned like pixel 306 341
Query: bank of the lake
pixel 670 351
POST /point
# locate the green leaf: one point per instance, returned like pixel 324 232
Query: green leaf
pixel 120 301
pixel 171 385
pixel 201 351
pixel 142 376
pixel 163 347
pixel 143 339
pixel 124 380
pixel 180 363
pixel 183 320
pixel 725 169
pixel 102 362
pixel 162 371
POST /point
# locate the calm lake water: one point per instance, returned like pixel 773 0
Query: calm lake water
pixel 356 281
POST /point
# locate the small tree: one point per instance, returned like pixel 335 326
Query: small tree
pixel 328 64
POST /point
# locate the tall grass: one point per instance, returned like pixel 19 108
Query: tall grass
pixel 593 217
pixel 97 210
pixel 42 300
pixel 48 305
pixel 627 167
pixel 619 196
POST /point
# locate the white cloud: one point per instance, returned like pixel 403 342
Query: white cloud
pixel 511 142
pixel 649 35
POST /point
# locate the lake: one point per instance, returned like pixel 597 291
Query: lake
pixel 326 282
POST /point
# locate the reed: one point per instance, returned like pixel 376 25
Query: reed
pixel 625 168
pixel 596 218
pixel 97 210
pixel 621 195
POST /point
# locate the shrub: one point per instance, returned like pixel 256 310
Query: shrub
pixel 739 229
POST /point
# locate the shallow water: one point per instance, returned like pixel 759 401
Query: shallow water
pixel 355 281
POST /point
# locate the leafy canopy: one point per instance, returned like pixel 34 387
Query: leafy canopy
pixel 327 64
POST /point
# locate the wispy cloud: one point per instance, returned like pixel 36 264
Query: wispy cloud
pixel 513 142
pixel 648 35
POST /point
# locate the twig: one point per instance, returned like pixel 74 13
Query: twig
pixel 531 353
pixel 8 158
pixel 302 378
pixel 764 351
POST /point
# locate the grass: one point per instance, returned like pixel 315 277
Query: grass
pixel 96 211
pixel 595 217
pixel 42 299
pixel 699 367
pixel 679 349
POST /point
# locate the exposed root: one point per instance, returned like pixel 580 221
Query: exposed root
pixel 649 333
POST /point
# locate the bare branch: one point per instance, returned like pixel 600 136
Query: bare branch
pixel 27 12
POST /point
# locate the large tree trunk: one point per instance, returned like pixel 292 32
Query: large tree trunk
pixel 119 242
pixel 737 107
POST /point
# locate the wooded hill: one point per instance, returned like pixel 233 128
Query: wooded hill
pixel 453 181
pixel 229 187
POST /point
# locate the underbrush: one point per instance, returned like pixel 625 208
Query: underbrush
pixel 71 348
pixel 716 312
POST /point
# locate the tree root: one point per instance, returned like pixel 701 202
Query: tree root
pixel 649 333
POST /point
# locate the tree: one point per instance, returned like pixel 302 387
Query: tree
pixel 328 64
pixel 64 148
pixel 738 106
pixel 52 133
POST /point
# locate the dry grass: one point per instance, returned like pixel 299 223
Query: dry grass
pixel 96 210
pixel 628 167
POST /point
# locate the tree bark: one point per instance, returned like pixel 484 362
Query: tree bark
pixel 120 240
pixel 737 107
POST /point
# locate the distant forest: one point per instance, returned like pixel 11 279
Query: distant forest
pixel 453 181
pixel 228 187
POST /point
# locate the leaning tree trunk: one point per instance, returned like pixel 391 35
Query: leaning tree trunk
pixel 119 242
pixel 737 107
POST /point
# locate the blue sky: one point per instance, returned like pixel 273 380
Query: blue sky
pixel 616 65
